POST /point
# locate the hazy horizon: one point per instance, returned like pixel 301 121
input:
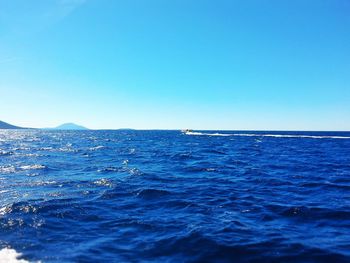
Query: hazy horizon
pixel 174 129
pixel 228 65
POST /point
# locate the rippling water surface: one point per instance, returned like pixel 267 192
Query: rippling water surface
pixel 131 196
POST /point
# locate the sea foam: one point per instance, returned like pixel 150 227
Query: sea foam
pixel 8 255
pixel 33 167
pixel 268 135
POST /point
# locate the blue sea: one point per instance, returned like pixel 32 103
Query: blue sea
pixel 165 196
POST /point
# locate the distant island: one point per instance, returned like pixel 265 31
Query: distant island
pixel 69 126
pixel 65 126
pixel 5 125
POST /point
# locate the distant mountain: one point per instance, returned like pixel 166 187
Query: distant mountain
pixel 5 125
pixel 70 126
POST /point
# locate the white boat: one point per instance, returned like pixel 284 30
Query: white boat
pixel 186 131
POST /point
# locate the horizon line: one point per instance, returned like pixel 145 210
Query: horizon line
pixel 176 129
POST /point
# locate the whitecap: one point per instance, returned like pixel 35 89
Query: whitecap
pixel 2 152
pixel 4 210
pixel 45 149
pixel 103 182
pixel 7 169
pixel 96 148
pixel 43 183
pixel 134 171
pixel 33 167
pixel 31 155
pixel 32 174
pixel 65 149
pixel 9 255
pixel 132 151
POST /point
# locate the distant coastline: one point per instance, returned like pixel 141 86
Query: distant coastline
pixel 68 126
pixel 73 126
pixel 65 126
pixel 5 125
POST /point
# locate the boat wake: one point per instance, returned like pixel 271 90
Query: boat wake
pixel 267 135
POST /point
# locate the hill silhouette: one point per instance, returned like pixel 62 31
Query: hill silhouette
pixel 5 125
pixel 70 126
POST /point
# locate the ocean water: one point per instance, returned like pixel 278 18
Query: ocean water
pixel 163 196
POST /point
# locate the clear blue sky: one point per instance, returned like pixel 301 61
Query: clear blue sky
pixel 201 64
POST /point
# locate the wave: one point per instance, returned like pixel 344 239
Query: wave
pixel 11 256
pixel 45 149
pixel 103 182
pixel 268 135
pixel 5 153
pixel 12 169
pixel 109 169
pixel 149 193
pixel 192 198
pixel 7 169
pixel 33 167
pixel 3 210
pixel 97 148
